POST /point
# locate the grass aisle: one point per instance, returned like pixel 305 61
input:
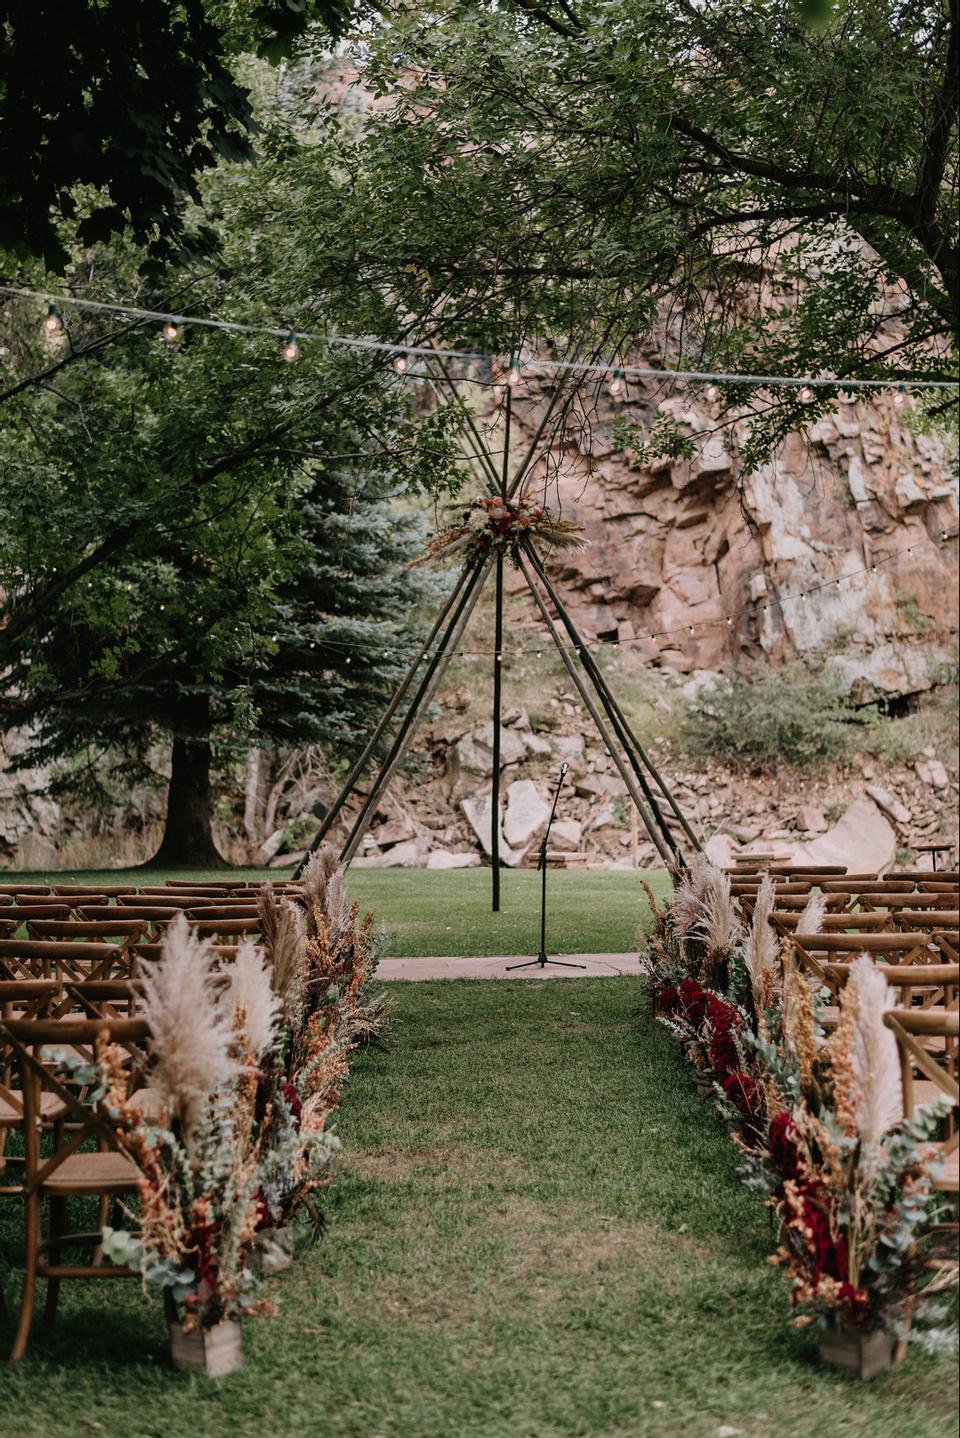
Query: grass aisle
pixel 536 1233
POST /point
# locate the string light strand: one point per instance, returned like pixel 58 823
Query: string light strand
pixel 807 385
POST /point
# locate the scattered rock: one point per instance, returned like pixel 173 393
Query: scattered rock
pixel 527 812
pixel 889 803
pixel 269 847
pixel 401 856
pixel 444 859
pixel 474 751
pixel 862 839
pixel 811 819
pixel 933 774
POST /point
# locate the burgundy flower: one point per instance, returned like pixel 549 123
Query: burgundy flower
pixel 666 998
pixel 741 1090
pixel 694 1000
pixel 293 1103
pixel 783 1150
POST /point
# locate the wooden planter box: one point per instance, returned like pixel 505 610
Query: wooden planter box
pixel 214 1351
pixel 862 1355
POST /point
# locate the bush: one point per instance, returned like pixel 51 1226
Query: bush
pixel 793 715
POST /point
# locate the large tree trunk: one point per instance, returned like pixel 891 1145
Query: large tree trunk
pixel 188 836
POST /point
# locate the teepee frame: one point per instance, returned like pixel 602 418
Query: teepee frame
pixel 647 789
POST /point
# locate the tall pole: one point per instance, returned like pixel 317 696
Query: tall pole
pixel 497 687
pixel 498 678
pixel 336 808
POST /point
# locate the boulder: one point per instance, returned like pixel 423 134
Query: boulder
pixel 566 834
pixel 719 850
pixel 398 831
pixel 444 859
pixel 863 839
pixel 401 856
pixel 478 814
pixel 811 819
pixel 889 803
pixel 474 751
pixel 527 812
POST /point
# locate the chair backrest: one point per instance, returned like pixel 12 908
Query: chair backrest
pixel 85 928
pixel 29 1039
pixel 48 958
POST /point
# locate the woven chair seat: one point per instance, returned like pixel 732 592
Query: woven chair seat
pixel 93 1173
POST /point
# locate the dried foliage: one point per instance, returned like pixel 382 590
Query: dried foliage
pixel 819 1122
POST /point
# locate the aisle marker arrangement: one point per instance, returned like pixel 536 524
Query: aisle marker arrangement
pixel 818 1115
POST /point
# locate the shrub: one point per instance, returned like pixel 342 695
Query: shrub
pixel 794 715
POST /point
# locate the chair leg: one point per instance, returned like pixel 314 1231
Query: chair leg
pixel 31 1246
pixel 58 1226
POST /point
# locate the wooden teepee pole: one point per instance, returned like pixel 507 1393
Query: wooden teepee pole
pixel 652 828
pixel 634 750
pixel 420 703
pixel 336 808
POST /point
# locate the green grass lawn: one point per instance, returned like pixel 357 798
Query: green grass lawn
pixel 536 1232
pixel 428 912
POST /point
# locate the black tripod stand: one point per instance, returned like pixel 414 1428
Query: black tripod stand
pixel 541 958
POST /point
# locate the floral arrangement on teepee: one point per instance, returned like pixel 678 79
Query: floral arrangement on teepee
pixel 818 1118
pixel 492 522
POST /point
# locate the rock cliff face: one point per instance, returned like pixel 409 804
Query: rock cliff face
pixel 858 498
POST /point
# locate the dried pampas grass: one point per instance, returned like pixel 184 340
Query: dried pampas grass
pixel 686 907
pixel 254 1004
pixel 719 924
pixel 761 948
pixel 323 887
pixel 192 1032
pixel 283 940
pixel 876 1060
pixel 811 919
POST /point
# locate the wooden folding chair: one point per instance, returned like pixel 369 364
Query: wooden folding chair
pixel 27 999
pixel 928 1041
pixel 69 1171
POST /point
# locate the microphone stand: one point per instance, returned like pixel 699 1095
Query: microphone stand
pixel 541 960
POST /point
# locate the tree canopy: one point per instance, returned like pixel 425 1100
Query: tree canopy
pixel 110 113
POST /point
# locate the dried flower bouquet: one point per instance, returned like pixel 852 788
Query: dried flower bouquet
pixel 819 1120
pixel 492 522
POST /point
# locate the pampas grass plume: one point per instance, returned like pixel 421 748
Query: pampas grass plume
pixel 876 1060
pixel 811 920
pixel 252 998
pixel 192 1032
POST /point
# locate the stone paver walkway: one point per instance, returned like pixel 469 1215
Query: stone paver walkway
pixel 593 966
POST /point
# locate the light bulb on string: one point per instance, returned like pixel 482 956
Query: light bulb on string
pixel 900 398
pixel 512 376
pixel 807 394
pixel 616 385
pixel 401 363
pixel 291 350
pixel 712 393
pixel 52 323
pixel 170 332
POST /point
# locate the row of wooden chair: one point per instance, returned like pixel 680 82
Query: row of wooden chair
pixel 908 924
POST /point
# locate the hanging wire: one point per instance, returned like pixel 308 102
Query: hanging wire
pixel 404 352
